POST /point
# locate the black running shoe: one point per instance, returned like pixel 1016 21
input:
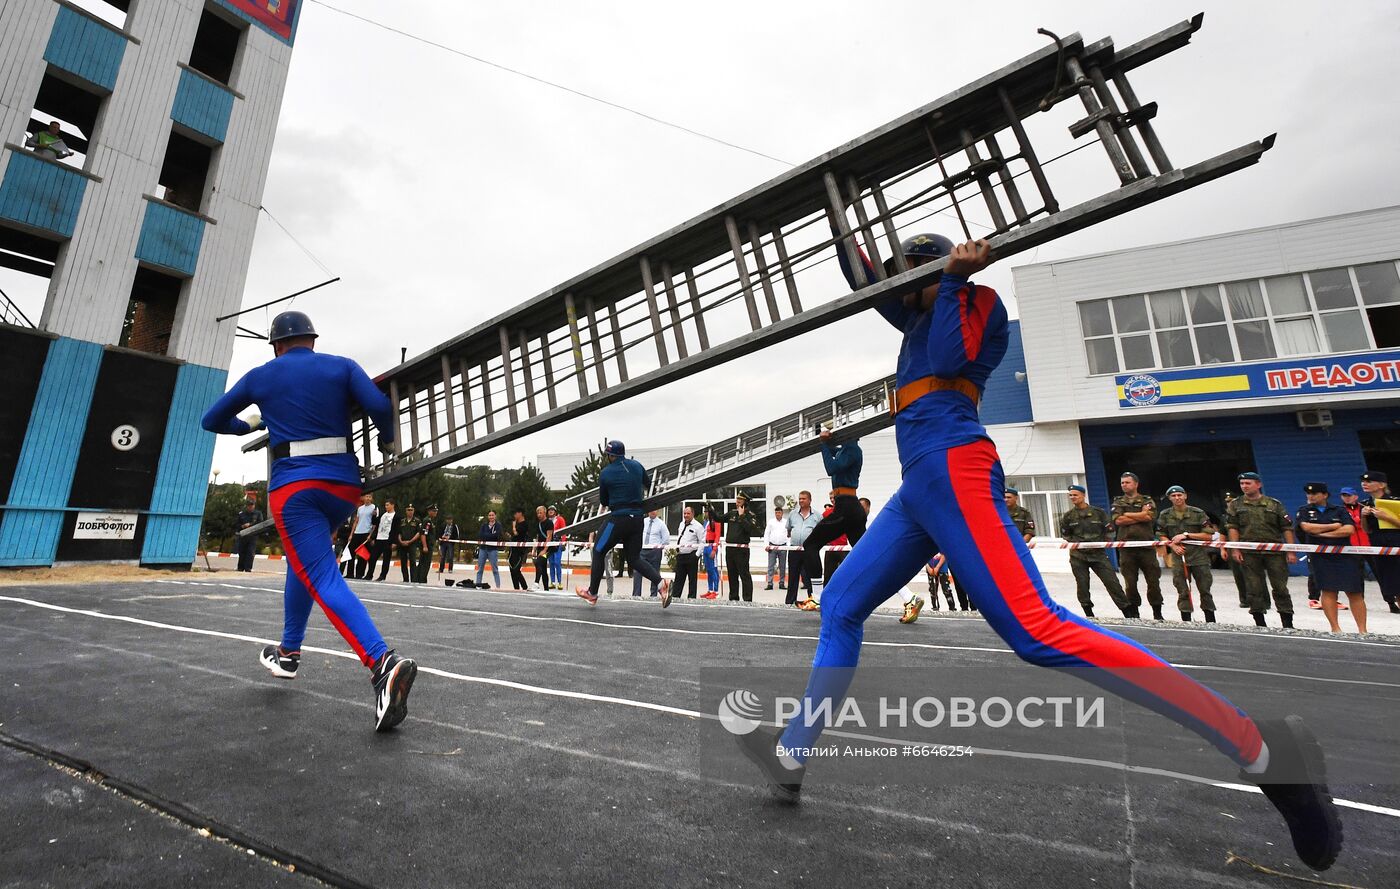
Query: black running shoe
pixel 760 746
pixel 393 678
pixel 1296 783
pixel 283 664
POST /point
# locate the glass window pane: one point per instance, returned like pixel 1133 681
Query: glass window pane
pixel 1167 309
pixel 1286 295
pixel 1246 299
pixel 1175 348
pixel 1053 483
pixel 1094 317
pixel 1023 483
pixel 1297 336
pixel 1346 332
pixel 1137 352
pixel 1255 340
pixel 1205 305
pixel 1213 344
pixel 1103 356
pixel 1332 289
pixel 1379 283
pixel 1130 313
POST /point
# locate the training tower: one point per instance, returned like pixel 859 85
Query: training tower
pixel 144 232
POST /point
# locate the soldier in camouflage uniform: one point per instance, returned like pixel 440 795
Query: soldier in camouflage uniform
pixel 410 545
pixel 1133 515
pixel 1088 524
pixel 1236 566
pixel 1261 519
pixel 1189 563
pixel 1025 522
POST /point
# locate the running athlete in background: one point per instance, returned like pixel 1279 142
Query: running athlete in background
pixel 620 487
pixel 955 334
pixel 305 399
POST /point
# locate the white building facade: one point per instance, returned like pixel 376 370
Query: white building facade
pixel 143 221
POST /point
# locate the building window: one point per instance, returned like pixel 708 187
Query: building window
pixel 1047 498
pixel 184 175
pixel 1320 312
pixel 113 12
pixel 63 120
pixel 215 48
pixel 150 312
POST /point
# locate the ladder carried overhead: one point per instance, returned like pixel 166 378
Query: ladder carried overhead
pixel 754 270
pixel 854 414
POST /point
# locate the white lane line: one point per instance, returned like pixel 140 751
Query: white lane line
pixel 738 633
pixel 677 711
pixel 626 601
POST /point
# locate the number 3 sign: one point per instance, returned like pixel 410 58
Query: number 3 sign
pixel 125 437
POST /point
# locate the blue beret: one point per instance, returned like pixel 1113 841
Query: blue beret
pixel 1012 491
pixel 1080 488
pixel 1248 476
pixel 1175 489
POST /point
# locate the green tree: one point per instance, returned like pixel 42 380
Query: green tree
pixel 221 508
pixel 525 489
pixel 585 476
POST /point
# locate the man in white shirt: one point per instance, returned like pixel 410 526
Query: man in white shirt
pixel 385 533
pixel 775 541
pixel 654 540
pixel 689 539
pixel 365 515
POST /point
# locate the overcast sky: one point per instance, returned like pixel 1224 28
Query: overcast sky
pixel 443 190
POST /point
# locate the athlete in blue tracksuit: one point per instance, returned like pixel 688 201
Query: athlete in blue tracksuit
pixel 306 399
pixel 620 487
pixel 843 463
pixel 955 334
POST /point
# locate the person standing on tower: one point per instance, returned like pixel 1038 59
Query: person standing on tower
pixel 305 398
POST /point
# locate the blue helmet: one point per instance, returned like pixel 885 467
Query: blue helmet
pixel 616 448
pixel 930 245
pixel 290 324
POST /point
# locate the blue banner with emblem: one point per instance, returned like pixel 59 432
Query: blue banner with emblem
pixel 1300 376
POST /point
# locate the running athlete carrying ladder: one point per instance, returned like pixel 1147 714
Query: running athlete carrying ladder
pixel 620 487
pixel 951 497
pixel 305 398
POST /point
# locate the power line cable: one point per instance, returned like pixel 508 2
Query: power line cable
pixel 285 231
pixel 550 83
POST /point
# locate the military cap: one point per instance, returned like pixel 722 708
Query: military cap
pixel 1131 475
pixel 1012 491
pixel 1248 476
pixel 1315 488
pixel 1080 488
pixel 1369 476
pixel 1175 489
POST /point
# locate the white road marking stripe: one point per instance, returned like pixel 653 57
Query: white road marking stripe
pixel 662 708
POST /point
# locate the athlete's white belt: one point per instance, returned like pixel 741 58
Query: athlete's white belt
pixel 317 447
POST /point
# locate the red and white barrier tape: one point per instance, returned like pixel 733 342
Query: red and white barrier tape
pixel 1245 545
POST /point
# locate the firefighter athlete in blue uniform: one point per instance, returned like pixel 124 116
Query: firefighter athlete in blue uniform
pixel 620 489
pixel 955 334
pixel 305 398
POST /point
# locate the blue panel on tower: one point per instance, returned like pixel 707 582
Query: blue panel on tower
pixel 170 238
pixel 1007 399
pixel 34 513
pixel 202 105
pixel 85 47
pixel 177 504
pixel 41 195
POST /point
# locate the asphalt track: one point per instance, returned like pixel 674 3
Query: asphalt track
pixel 551 744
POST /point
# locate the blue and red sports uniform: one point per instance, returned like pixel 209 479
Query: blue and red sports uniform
pixel 306 395
pixel 951 499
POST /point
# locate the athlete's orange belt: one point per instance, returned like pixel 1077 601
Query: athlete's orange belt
pixel 843 492
pixel 911 392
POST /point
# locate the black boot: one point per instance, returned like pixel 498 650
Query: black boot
pixel 1157 612
pixel 1186 616
pixel 760 746
pixel 1259 619
pixel 1210 617
pixel 1088 610
pixel 1296 783
pixel 1394 608
pixel 1287 618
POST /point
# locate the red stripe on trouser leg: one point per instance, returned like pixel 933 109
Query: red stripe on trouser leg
pixel 277 500
pixel 970 468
